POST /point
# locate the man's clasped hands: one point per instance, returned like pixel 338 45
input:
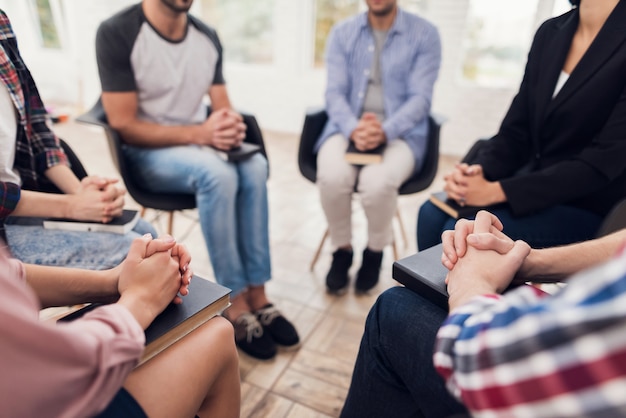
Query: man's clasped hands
pixel 480 258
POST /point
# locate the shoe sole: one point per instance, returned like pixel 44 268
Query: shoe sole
pixel 337 292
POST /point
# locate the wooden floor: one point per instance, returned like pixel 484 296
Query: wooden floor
pixel 311 381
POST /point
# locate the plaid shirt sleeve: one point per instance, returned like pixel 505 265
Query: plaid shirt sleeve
pixel 9 196
pixel 526 354
pixel 37 147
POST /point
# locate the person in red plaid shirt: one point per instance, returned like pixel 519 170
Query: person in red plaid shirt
pixel 527 353
pixel 31 161
pixel 521 354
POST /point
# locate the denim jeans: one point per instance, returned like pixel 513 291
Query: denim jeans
pixel 558 225
pixel 31 243
pixel 394 375
pixel 232 205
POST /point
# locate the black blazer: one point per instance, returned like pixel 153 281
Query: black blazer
pixel 571 149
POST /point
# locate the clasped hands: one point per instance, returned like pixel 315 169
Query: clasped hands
pixel 480 258
pixel 154 274
pixel 96 199
pixel 224 129
pixel 467 185
pixel 368 133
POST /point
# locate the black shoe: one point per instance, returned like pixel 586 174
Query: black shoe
pixel 277 326
pixel 367 277
pixel 251 338
pixel 337 277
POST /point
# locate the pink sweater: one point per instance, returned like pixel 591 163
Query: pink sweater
pixel 60 370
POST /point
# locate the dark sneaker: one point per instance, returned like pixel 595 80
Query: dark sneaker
pixel 276 325
pixel 337 277
pixel 251 338
pixel 367 277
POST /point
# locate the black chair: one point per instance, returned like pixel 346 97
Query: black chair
pixel 613 221
pixel 75 164
pixel 167 202
pixel 314 123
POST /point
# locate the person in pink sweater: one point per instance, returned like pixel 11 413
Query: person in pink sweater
pixel 87 367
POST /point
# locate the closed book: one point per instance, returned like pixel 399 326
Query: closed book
pixel 204 301
pixel 118 225
pixel 356 157
pixel 240 153
pixel 452 208
pixel 424 274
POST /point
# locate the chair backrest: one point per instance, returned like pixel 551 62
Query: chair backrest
pixel 316 119
pixel 75 164
pixel 146 198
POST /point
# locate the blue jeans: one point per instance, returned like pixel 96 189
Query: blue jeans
pixel 394 375
pixel 232 205
pixel 31 243
pixel 558 225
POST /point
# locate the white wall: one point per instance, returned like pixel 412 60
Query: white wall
pixel 278 94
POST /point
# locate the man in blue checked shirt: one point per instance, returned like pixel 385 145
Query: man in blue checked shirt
pixel 524 353
pixel 382 66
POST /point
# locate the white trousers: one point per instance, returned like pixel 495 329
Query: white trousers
pixel 377 184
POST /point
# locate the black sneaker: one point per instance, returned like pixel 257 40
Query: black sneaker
pixel 337 277
pixel 251 339
pixel 367 277
pixel 275 324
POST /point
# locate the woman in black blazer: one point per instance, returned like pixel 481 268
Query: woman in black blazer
pixel 557 164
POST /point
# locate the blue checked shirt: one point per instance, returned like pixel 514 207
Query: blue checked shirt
pixel 410 61
pixel 529 354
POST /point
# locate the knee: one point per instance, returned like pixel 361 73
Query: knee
pixel 375 188
pixel 221 334
pixel 387 310
pixel 221 179
pixel 335 181
pixel 256 167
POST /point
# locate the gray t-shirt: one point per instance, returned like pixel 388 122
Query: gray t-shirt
pixel 171 78
pixel 374 98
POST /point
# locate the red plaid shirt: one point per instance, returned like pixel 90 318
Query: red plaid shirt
pixel 527 354
pixel 37 148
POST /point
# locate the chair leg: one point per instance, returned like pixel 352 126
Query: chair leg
pixel 170 223
pixel 402 231
pixel 319 250
pixel 143 211
pixel 394 247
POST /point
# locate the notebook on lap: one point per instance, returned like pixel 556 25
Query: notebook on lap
pixel 424 274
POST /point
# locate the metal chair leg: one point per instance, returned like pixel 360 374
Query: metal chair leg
pixel 319 250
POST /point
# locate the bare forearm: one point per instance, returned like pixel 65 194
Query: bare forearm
pixel 42 204
pixel 59 286
pixel 146 134
pixel 63 177
pixel 555 264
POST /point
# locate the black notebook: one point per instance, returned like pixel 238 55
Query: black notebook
pixel 424 274
pixel 204 301
pixel 356 157
pixel 242 152
pixel 119 225
pixel 452 208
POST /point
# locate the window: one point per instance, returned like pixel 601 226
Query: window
pixel 47 20
pixel 329 12
pixel 497 41
pixel 245 28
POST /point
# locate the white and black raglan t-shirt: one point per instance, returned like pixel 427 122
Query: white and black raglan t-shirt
pixel 171 78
